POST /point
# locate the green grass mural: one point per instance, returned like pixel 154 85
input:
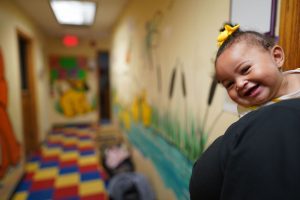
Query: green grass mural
pixel 190 140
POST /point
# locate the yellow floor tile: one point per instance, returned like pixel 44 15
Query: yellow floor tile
pixel 51 151
pixel 87 143
pixel 88 160
pixel 70 141
pixel 91 187
pixel 32 166
pixel 20 196
pixel 67 180
pixel 71 155
pixel 46 173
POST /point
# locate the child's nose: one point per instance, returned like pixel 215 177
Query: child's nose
pixel 240 84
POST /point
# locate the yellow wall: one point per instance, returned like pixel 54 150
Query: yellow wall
pixel 186 35
pixel 11 19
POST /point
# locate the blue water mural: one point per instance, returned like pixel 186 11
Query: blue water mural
pixel 174 168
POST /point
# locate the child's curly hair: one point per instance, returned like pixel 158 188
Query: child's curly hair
pixel 251 37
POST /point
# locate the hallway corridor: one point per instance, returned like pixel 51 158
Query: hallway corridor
pixel 66 167
pixel 140 73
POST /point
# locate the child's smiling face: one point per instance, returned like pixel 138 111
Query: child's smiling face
pixel 250 73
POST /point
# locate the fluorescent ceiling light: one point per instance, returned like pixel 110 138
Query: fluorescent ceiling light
pixel 72 12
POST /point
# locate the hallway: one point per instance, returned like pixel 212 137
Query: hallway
pixel 145 68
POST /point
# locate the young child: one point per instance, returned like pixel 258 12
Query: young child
pixel 258 155
pixel 249 65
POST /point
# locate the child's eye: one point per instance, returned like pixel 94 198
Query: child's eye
pixel 228 84
pixel 245 69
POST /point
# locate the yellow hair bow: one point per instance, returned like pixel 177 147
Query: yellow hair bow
pixel 226 33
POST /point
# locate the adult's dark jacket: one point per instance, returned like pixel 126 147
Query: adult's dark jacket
pixel 258 158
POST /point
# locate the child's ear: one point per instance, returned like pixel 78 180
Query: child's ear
pixel 278 55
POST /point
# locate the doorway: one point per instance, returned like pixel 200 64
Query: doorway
pixel 104 86
pixel 30 129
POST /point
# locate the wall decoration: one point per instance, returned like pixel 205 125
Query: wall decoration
pixel 173 167
pixel 69 85
pixel 155 135
pixel 10 148
pixel 158 101
pixel 152 38
pixel 185 133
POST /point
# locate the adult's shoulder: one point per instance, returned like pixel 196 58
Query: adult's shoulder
pixel 271 112
pixel 253 157
pixel 262 150
pixel 279 112
pixel 264 126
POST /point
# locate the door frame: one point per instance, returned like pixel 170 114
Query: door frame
pixel 289 32
pixel 28 98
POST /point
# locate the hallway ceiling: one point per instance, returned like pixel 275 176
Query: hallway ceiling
pixel 107 14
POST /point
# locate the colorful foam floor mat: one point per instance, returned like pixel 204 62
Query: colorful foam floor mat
pixel 66 167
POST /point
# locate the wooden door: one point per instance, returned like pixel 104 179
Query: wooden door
pixel 289 32
pixel 30 129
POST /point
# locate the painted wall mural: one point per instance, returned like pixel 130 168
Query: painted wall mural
pixel 184 132
pixel 69 86
pixel 160 138
pixel 189 138
pixel 152 38
pixel 162 97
